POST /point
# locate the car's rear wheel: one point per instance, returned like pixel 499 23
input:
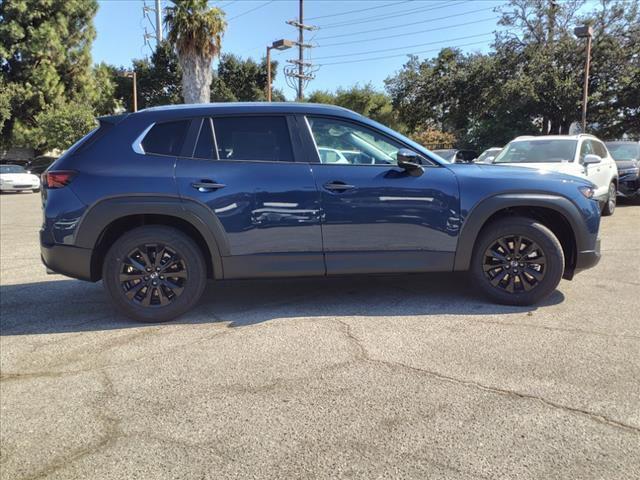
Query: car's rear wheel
pixel 610 204
pixel 517 261
pixel 154 273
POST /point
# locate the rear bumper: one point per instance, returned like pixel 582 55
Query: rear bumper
pixel 588 258
pixel 67 260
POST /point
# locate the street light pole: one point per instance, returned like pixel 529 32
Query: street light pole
pixel 132 74
pixel 277 45
pixel 585 31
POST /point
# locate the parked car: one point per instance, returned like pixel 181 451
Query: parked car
pixel 488 155
pixel 457 156
pixel 15 178
pixel 156 201
pixel 627 157
pixel 580 155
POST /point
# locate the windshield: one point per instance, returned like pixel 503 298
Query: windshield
pixel 624 151
pixel 492 152
pixel 447 154
pixel 12 169
pixel 538 151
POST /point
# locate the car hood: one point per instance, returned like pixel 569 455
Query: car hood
pixel 507 171
pixel 562 167
pixel 19 177
pixel 623 164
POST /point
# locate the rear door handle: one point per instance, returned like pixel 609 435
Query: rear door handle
pixel 207 185
pixel 337 186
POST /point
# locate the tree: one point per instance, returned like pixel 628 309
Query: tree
pixel 61 126
pixel 238 80
pixel 45 49
pixel 195 31
pixel 364 100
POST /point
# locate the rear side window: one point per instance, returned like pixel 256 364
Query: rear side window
pixel 205 147
pixel 599 149
pixel 166 138
pixel 253 138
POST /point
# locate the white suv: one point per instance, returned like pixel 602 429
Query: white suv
pixel 580 155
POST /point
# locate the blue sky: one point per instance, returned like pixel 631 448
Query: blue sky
pixel 373 39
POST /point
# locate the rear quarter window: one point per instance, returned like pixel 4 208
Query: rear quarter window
pixel 166 138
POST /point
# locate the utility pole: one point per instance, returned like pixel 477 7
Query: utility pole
pixel 300 51
pixel 300 72
pixel 158 23
pixel 155 25
pixel 585 31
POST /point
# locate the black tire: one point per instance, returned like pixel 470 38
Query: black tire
pixel 172 294
pixel 528 285
pixel 610 203
pixel 36 190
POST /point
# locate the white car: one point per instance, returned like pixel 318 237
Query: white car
pixel 579 155
pixel 15 178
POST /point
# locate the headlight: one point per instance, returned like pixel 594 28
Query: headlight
pixel 586 191
pixel 626 171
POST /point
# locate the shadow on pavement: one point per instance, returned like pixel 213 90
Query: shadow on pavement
pixel 65 306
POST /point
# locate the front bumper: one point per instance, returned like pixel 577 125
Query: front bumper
pixel 8 187
pixel 67 260
pixel 588 258
pixel 629 185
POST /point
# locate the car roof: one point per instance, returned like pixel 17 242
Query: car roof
pixel 556 137
pixel 249 107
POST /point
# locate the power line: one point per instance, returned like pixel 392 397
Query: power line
pixel 446 27
pixel 430 20
pixel 358 10
pixel 376 18
pixel 406 46
pixel 399 54
pixel 251 10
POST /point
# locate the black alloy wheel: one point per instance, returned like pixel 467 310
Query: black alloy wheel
pixel 153 275
pixel 514 264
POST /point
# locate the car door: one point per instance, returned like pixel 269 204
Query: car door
pixel 597 172
pixel 377 217
pixel 243 169
pixel 608 167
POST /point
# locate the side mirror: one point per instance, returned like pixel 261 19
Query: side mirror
pixel 409 161
pixel 591 159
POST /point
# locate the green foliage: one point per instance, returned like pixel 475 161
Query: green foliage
pixel 238 80
pixel 61 126
pixel 46 52
pixel 531 83
pixel 364 100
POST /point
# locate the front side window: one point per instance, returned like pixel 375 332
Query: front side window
pixel 585 149
pixel 166 138
pixel 599 149
pixel 538 151
pixel 348 143
pixel 260 138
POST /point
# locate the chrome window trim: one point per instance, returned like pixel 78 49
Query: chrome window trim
pixel 137 143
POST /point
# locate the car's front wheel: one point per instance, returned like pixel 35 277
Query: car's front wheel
pixel 610 204
pixel 154 273
pixel 517 261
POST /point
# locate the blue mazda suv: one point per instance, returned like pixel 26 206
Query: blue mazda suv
pixel 156 202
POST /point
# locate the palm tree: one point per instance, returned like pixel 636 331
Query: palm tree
pixel 195 31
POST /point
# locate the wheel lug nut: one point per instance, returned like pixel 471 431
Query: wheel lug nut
pixel 161 277
pixel 148 269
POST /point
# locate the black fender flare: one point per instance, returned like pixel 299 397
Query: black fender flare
pixel 479 215
pixel 103 213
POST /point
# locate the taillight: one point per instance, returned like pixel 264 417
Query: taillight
pixel 57 179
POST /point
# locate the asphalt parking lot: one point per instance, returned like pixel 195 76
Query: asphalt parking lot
pixel 379 377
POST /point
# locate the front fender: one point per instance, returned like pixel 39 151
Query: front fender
pixel 479 215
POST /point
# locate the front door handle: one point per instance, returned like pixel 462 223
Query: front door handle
pixel 337 186
pixel 207 185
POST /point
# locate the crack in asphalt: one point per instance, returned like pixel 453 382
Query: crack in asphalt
pixel 364 355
